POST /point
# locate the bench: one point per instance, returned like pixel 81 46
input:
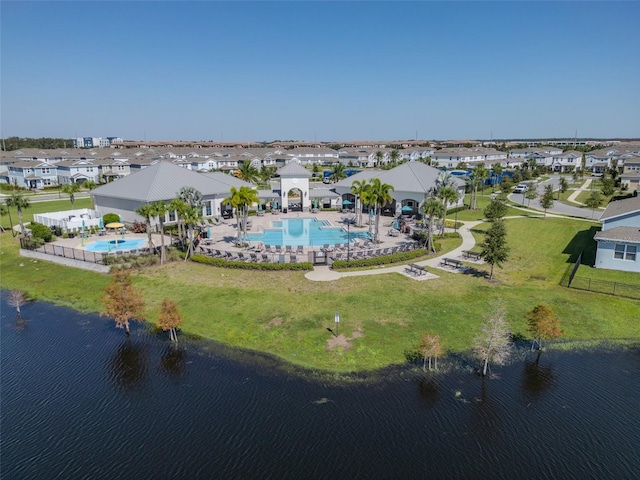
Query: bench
pixel 450 262
pixel 416 269
pixel 470 254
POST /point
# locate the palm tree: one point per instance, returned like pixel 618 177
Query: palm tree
pixel 71 189
pixel 190 216
pixel 447 195
pixel 338 172
pixel 235 200
pixel 358 188
pixel 497 171
pixel 445 179
pixel 190 196
pixel 249 196
pixel 248 172
pixel 159 210
pixel 379 157
pixel 433 209
pixel 395 155
pixel 19 202
pixel 179 206
pixel 147 211
pixel 479 174
pixel 378 196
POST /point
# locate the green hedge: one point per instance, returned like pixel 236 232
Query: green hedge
pixel 40 231
pixel 384 259
pixel 221 262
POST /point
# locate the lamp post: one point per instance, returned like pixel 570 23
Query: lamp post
pixel 337 323
pixel 348 246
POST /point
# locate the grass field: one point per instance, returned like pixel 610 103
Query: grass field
pixel 383 316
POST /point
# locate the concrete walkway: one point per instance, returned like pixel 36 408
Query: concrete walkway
pixel 574 195
pixel 325 274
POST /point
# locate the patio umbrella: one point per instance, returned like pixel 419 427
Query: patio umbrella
pixel 347 202
pixel 407 208
pixel 208 232
pixel 101 223
pixel 115 225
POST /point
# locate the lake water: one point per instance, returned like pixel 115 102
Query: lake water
pixel 80 400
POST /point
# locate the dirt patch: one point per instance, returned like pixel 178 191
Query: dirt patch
pixel 339 341
pixel 343 341
pixel 274 322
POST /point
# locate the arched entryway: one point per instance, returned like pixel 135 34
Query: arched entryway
pixel 294 200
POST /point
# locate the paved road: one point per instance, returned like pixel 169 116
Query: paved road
pixel 558 207
pixel 44 197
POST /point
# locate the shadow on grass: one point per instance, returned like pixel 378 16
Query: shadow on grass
pixel 582 242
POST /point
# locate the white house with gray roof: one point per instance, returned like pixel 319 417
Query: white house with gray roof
pixel 619 241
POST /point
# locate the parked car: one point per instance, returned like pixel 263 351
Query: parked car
pixel 521 188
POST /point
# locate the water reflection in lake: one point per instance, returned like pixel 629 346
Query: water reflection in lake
pixel 81 400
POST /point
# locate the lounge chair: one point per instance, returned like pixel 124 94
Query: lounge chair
pixel 254 257
pixel 288 249
pixel 278 249
pixel 300 250
pixel 265 258
pixel 293 258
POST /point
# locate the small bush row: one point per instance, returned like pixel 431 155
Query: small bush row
pixel 382 260
pixel 221 262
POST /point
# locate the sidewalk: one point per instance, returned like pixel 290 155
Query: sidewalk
pixel 574 195
pixel 325 274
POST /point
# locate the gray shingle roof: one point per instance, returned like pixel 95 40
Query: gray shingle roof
pixel 621 207
pixel 620 234
pixel 408 177
pixel 162 181
pixel 294 169
pixel 322 193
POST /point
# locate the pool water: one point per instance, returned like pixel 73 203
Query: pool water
pixel 308 232
pixel 116 245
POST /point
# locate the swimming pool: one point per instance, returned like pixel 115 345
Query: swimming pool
pixel 116 245
pixel 308 232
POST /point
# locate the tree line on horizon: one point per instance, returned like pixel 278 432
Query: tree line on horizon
pixel 16 143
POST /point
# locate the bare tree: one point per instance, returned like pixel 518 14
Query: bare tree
pixel 16 299
pixel 430 349
pixel 493 345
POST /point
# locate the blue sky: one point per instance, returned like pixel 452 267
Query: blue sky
pixel 260 71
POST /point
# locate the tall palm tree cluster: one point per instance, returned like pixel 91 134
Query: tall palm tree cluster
pixel 376 195
pixel 241 200
pixel 435 207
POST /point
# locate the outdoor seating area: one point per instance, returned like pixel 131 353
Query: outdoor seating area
pixel 415 269
pixel 453 263
pixel 472 255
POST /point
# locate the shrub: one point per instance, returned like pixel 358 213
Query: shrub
pixel 41 231
pixel 382 260
pixel 110 218
pixel 139 227
pixel 220 262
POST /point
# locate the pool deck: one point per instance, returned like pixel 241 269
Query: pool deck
pixel 223 236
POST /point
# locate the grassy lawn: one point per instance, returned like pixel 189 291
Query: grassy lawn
pixel 478 213
pixel 38 207
pixel 286 315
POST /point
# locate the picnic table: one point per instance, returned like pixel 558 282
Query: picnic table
pixel 416 269
pixel 450 262
pixel 470 254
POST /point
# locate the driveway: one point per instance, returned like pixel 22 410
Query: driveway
pixel 558 207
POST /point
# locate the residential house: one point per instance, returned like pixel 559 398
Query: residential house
pixel 77 171
pixel 619 240
pixel 630 178
pixel 31 174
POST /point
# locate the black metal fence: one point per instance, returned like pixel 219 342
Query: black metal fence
pixel 66 252
pixel 606 287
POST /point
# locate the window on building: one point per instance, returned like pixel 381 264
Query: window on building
pixel 625 252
